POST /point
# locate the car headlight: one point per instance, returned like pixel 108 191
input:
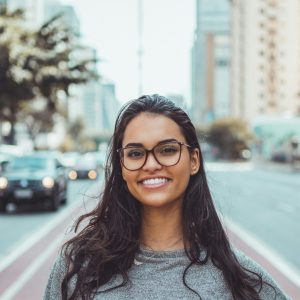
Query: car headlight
pixel 3 183
pixel 48 182
pixel 72 175
pixel 92 174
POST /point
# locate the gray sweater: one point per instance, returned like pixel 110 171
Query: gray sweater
pixel 158 275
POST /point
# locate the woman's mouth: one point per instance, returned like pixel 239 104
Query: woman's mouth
pixel 154 182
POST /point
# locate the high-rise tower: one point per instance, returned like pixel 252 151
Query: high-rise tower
pixel 210 61
pixel 265 58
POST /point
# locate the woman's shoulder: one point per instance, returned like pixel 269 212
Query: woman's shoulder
pixel 270 287
pixel 59 269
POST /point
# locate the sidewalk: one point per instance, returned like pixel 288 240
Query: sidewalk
pixel 267 165
pixel 254 164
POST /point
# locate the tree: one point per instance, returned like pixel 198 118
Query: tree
pixel 65 62
pixel 230 136
pixel 16 81
pixel 39 63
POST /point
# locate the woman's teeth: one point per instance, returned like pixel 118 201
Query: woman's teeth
pixel 154 181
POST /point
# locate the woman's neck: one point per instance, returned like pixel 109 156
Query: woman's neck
pixel 161 230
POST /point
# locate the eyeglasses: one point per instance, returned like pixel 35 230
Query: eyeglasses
pixel 166 154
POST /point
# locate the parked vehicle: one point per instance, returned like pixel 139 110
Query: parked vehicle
pixel 33 179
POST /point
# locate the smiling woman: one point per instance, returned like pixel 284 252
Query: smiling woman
pixel 155 233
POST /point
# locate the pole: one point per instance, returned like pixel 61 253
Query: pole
pixel 140 47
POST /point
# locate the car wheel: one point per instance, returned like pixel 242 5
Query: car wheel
pixel 54 203
pixel 65 196
pixel 64 200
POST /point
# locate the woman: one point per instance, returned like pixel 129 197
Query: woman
pixel 155 234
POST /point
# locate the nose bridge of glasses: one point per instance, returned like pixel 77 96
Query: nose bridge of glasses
pixel 150 154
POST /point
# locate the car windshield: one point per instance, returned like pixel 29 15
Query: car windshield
pixel 28 163
pixel 86 162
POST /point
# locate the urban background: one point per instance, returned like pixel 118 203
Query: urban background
pixel 58 106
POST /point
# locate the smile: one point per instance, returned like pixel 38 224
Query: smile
pixel 154 182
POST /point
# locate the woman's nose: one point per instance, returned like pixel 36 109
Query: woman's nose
pixel 151 163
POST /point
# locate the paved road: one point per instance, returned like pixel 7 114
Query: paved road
pixel 32 240
pixel 264 203
pixel 18 225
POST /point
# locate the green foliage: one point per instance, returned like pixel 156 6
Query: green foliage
pixel 16 81
pixel 41 63
pixel 202 132
pixel 230 136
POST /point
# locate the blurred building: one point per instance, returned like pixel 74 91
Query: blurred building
pixel 3 3
pixel 265 58
pixel 95 103
pixel 39 11
pixel 34 10
pixel 178 99
pixel 54 7
pixel 210 61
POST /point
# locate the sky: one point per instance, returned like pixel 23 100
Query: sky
pixel 111 26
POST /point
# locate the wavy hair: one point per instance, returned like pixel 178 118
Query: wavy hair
pixel 107 245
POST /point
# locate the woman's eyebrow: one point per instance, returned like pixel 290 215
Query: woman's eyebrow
pixel 167 141
pixel 134 145
pixel 141 145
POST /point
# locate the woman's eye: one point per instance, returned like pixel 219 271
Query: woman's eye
pixel 168 150
pixel 135 153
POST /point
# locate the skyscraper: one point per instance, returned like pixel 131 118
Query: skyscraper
pixel 210 61
pixel 265 58
pixel 3 3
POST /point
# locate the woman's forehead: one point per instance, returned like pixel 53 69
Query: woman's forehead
pixel 151 128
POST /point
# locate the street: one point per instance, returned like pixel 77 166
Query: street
pixel 265 203
pixel 261 210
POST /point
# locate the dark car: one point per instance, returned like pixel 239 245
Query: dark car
pixel 35 178
pixel 85 167
pixel 4 160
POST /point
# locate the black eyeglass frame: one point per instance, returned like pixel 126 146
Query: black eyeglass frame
pixel 120 151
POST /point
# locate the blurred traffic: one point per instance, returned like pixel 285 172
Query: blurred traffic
pixel 40 178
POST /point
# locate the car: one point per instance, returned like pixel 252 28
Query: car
pixel 85 167
pixel 69 159
pixel 98 156
pixel 287 151
pixel 33 179
pixel 4 160
pixel 295 153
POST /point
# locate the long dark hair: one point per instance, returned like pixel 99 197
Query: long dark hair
pixel 108 244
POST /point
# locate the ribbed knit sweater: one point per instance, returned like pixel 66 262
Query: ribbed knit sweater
pixel 158 276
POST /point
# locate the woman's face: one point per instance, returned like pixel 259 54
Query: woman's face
pixel 155 185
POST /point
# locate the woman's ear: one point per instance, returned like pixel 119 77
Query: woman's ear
pixel 195 161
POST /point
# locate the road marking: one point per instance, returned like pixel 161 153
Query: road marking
pixel 266 252
pixel 34 238
pixel 19 283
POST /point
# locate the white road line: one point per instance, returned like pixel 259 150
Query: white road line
pixel 34 238
pixel 266 252
pixel 19 283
